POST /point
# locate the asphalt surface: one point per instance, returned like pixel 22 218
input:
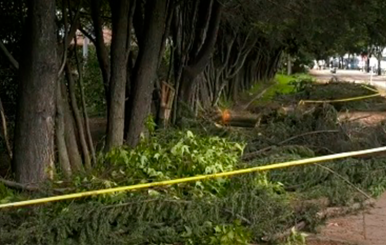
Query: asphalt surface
pixel 351 76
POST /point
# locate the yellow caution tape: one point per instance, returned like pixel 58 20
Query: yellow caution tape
pixel 195 178
pixel 340 100
pixel 371 89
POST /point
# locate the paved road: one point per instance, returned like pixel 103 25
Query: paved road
pixel 351 76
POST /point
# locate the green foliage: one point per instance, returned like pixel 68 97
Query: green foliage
pixel 216 211
pixel 93 85
pixel 296 238
pixel 6 195
pixel 230 234
pixel 283 85
pixel 181 155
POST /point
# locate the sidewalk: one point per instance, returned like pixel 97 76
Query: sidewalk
pixel 351 76
pixel 366 228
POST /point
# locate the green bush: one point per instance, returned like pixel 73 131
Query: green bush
pixel 182 155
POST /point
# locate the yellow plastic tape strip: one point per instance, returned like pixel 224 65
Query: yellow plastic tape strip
pixel 371 89
pixel 194 178
pixel 340 100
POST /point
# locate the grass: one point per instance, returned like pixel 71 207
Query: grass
pixel 281 85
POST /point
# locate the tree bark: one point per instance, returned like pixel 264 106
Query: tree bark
pixel 70 134
pixel 64 159
pixel 86 123
pixel 198 64
pixel 379 70
pixel 116 120
pixel 34 132
pixel 78 119
pixel 146 68
pixel 101 50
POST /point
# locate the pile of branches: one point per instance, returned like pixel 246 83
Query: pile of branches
pixel 315 127
pixel 258 206
pixel 264 210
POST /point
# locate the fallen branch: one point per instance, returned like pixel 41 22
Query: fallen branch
pixel 339 211
pixel 28 187
pixel 280 236
pixel 252 155
pixel 18 186
pixel 258 96
pixel 346 180
pixel 307 134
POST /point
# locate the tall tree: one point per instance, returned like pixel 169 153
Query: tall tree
pixel 146 67
pixel 119 56
pixel 34 133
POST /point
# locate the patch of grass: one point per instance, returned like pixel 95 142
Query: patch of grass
pixel 281 85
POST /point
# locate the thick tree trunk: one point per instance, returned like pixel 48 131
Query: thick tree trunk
pixel 116 120
pixel 35 133
pixel 146 68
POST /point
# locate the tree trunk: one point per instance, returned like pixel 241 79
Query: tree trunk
pixel 379 64
pixel 70 135
pixel 146 68
pixel 198 64
pixel 101 50
pixel 34 132
pixel 78 118
pixel 116 120
pixel 289 65
pixel 64 160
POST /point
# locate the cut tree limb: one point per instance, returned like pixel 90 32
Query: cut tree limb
pixel 29 187
pixel 251 155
